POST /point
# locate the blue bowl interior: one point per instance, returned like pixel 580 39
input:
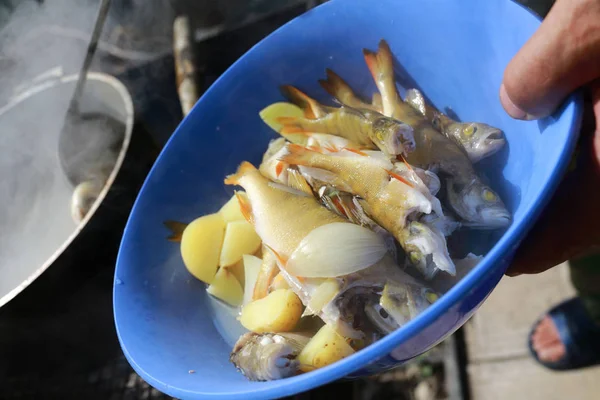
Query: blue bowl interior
pixel 455 51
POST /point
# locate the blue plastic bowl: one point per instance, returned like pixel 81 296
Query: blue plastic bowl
pixel 455 50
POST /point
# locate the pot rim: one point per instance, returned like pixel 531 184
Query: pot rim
pixel 37 88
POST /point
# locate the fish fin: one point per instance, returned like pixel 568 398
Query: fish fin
pixel 327 177
pixel 312 109
pixel 398 177
pixel 400 157
pixel 298 182
pixel 331 148
pixel 176 229
pixel 297 155
pixel 355 151
pixel 287 120
pixel 377 102
pixel 416 99
pixel 244 168
pixel 282 261
pixel 245 207
pixel 291 125
pixel 279 168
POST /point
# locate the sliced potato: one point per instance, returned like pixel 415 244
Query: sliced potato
pixel 251 268
pixel 280 311
pixel 226 287
pixel 201 243
pixel 240 238
pixel 237 270
pixel 231 210
pixel 270 114
pixel 325 348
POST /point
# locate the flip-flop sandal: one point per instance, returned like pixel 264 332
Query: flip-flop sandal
pixel 579 334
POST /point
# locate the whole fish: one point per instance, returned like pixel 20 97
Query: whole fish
pixel 342 92
pixel 356 300
pixel 479 140
pixel 268 356
pixel 366 128
pixel 387 197
pixel 283 219
pixel 470 198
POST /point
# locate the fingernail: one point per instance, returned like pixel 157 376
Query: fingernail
pixel 510 107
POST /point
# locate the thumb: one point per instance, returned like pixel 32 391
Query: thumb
pixel 562 55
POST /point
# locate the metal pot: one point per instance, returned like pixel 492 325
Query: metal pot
pixel 55 274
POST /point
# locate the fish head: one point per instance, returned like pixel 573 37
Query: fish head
pixel 478 205
pixel 391 136
pixel 399 303
pixel 426 250
pixel 479 140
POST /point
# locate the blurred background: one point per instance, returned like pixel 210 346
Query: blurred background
pixel 57 338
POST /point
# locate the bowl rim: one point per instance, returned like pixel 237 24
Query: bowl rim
pixel 509 241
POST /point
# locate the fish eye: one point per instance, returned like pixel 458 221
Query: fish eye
pixel 488 195
pixel 469 130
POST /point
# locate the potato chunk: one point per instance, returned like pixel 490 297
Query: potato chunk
pixel 231 210
pixel 227 288
pixel 251 268
pixel 280 311
pixel 325 348
pixel 240 238
pixel 201 243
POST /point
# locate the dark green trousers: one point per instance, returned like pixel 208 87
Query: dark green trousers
pixel 585 275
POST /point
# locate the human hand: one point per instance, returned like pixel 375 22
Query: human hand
pixel 562 56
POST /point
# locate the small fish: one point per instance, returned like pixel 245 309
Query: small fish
pixel 268 356
pixel 390 199
pixel 468 196
pixel 341 91
pixel 364 297
pixel 403 302
pixel 364 127
pixel 478 140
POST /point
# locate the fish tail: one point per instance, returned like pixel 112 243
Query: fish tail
pixel 312 109
pixel 381 66
pixel 335 85
pixel 244 168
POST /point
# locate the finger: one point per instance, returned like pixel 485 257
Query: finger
pixel 568 227
pixel 562 55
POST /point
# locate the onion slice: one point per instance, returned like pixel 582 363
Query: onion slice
pixel 336 249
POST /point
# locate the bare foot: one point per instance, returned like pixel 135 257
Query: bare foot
pixel 546 341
